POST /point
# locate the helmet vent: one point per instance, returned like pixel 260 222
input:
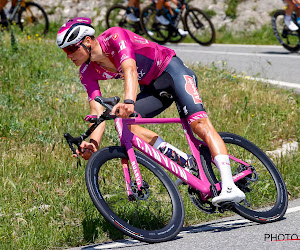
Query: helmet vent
pixel 74 34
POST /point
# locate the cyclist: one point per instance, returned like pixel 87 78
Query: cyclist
pixel 2 5
pixel 163 78
pixel 292 5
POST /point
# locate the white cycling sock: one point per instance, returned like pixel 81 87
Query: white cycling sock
pixel 287 17
pixel 158 141
pixel 170 151
pixel 223 164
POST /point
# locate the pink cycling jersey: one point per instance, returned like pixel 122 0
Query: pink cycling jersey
pixel 119 45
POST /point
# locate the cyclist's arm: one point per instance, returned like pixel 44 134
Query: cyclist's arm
pixel 131 87
pixel 131 79
pixel 88 148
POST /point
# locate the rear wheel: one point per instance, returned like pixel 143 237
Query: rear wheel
pixel 287 38
pixel 156 214
pixel 33 20
pixel 199 26
pixel 266 194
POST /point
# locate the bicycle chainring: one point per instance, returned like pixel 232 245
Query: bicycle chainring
pixel 205 206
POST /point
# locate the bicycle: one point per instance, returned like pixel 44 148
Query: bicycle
pixel 287 38
pixel 134 194
pixel 116 17
pixel 185 17
pixel 30 16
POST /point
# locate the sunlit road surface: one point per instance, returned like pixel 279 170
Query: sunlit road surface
pixel 228 233
pixel 268 63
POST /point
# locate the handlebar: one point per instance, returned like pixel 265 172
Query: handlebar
pixel 108 103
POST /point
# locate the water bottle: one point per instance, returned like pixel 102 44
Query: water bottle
pixel 173 153
pixel 184 160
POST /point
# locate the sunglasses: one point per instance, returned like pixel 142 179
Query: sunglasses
pixel 72 48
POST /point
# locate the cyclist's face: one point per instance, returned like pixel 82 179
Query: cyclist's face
pixel 78 56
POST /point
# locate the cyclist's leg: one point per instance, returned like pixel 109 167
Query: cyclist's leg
pixel 190 105
pixel 159 13
pixel 3 17
pixel 288 15
pixel 132 11
pixel 298 15
pixel 2 4
pixel 150 103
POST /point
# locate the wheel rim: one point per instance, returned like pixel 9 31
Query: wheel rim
pixel 262 202
pixel 148 214
pixel 199 27
pixel 117 18
pixel 33 21
pixel 289 39
pixel 156 31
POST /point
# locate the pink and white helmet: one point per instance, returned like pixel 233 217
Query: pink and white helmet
pixel 74 31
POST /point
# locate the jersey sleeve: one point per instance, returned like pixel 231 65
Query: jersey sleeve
pixel 90 82
pixel 122 47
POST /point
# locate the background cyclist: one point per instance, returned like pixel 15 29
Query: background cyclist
pixel 163 78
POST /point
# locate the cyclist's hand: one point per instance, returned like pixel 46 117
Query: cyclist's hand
pixel 123 110
pixel 86 150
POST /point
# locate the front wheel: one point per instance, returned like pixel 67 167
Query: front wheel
pixel 116 17
pixel 154 217
pixel 199 26
pixel 266 193
pixel 33 20
pixel 287 38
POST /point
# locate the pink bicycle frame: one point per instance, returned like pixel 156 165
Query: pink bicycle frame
pixel 129 140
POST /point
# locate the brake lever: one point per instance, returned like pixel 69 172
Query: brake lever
pixel 71 140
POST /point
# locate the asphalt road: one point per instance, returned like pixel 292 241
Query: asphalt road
pixel 229 233
pixel 270 63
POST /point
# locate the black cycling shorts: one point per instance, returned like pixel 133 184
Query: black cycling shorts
pixel 177 83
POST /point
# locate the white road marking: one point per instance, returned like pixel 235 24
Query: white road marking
pixel 117 244
pixel 274 82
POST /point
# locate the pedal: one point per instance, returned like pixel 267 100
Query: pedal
pixel 226 205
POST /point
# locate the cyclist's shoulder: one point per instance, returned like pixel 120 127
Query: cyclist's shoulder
pixel 113 32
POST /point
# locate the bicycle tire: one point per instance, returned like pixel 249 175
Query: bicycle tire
pixel 267 198
pixel 115 17
pixel 158 218
pixel 290 40
pixel 33 19
pixel 153 29
pixel 199 26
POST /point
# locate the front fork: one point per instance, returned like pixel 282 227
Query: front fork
pixel 137 175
